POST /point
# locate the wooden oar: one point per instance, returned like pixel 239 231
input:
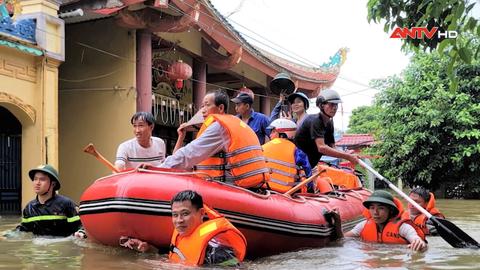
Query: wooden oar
pixel 90 149
pixel 446 229
pixel 303 183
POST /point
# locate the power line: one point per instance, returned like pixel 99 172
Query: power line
pixel 358 92
pixel 237 42
pixel 211 28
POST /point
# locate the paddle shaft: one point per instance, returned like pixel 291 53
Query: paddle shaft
pixel 90 149
pixel 392 186
pixel 447 230
pixel 303 183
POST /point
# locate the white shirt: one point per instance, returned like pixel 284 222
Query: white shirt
pixel 130 153
pixel 213 140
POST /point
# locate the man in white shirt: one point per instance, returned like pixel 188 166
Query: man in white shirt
pixel 144 149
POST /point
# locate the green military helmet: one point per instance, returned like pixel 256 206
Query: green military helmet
pixel 49 170
pixel 383 197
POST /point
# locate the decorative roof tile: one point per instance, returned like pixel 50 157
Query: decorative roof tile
pixel 355 140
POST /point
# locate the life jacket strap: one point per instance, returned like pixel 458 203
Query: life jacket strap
pixel 177 251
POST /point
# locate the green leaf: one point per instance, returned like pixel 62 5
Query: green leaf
pixel 453 85
pixel 443 44
pixel 459 10
pixel 465 55
pixel 386 28
pixel 454 56
pixel 452 26
pixel 469 7
pixel 471 24
pixel 477 53
pixel 422 5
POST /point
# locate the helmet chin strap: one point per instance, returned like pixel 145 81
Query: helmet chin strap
pixel 48 190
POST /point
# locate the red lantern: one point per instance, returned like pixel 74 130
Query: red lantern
pixel 178 72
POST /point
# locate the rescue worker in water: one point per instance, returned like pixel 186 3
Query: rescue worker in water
pixel 385 225
pixel 49 213
pixel 197 242
pixel 426 200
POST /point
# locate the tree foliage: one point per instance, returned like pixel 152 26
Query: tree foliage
pixel 444 14
pixel 364 120
pixel 427 134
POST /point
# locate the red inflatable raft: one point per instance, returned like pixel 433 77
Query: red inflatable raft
pixel 137 204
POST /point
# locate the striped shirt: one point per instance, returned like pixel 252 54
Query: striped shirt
pixel 131 154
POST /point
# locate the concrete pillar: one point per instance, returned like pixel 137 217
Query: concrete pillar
pixel 265 105
pixel 50 111
pixel 144 71
pixel 199 82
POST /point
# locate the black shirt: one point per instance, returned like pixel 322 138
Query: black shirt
pixel 314 127
pixel 57 217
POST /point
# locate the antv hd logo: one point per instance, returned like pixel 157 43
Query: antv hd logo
pixel 421 32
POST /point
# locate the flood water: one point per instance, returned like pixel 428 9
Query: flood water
pixel 25 252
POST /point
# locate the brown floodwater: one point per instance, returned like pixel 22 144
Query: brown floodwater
pixel 22 251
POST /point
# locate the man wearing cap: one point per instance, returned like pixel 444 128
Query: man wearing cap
pixel 258 122
pixel 49 213
pixel 385 225
pixel 315 135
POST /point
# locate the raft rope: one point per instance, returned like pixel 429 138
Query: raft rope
pixel 204 175
pixel 298 199
pixel 320 198
pixel 113 175
pixel 357 195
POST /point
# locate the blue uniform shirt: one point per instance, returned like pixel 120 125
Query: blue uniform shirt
pixel 258 122
pixel 301 160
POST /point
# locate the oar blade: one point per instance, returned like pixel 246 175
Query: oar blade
pixel 455 236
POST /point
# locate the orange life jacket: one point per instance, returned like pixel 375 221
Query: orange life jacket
pixel 324 184
pixel 421 220
pixel 280 156
pixel 190 249
pixel 341 178
pixel 390 233
pixel 243 163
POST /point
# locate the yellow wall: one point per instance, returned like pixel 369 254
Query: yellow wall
pixel 20 93
pixel 91 110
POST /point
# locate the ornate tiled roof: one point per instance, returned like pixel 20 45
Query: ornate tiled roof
pixel 21 47
pixel 22 30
